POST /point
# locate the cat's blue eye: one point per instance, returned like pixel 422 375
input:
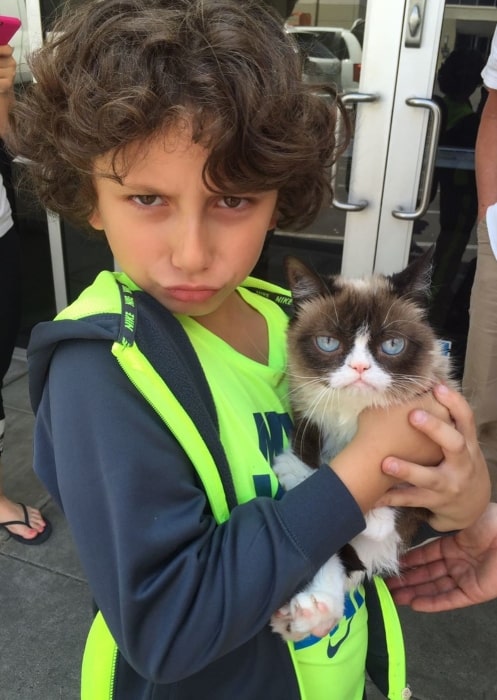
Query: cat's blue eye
pixel 326 343
pixel 393 346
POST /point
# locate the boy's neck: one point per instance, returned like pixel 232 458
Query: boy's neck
pixel 241 326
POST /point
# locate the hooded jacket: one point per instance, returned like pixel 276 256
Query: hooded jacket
pixel 186 591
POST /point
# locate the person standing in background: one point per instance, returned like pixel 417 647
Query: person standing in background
pixel 480 370
pixel 23 523
pixel 458 78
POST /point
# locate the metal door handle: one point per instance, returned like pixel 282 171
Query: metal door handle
pixel 351 98
pixel 424 201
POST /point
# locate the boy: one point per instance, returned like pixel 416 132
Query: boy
pixel 182 130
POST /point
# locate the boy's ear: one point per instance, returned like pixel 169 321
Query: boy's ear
pixel 272 223
pixel 274 218
pixel 95 220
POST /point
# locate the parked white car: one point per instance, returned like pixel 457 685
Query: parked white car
pixel 323 47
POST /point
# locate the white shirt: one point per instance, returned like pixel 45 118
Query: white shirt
pixel 489 73
pixel 491 217
pixel 6 221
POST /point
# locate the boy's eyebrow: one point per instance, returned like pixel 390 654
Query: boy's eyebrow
pixel 108 175
pixel 135 186
pixel 144 188
pixel 120 180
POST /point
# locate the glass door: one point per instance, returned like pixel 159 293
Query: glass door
pixel 447 217
pixel 394 64
pixel 407 181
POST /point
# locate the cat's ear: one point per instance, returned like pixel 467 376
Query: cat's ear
pixel 303 282
pixel 414 281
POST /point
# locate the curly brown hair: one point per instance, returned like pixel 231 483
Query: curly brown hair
pixel 122 71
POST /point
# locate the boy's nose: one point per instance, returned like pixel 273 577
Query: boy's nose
pixel 191 251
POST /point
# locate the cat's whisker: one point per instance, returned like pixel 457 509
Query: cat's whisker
pixel 309 415
pixel 416 380
pixel 336 311
pixel 315 406
pixel 304 389
pixel 291 373
pixel 385 324
pixel 332 400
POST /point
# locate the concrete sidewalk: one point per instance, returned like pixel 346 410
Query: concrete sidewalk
pixel 45 604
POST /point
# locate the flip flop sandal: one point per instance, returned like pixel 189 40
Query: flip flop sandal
pixel 41 537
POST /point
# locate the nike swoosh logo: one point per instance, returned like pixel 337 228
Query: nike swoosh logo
pixel 334 648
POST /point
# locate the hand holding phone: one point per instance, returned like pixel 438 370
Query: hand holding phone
pixel 8 27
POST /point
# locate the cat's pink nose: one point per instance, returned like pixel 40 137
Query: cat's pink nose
pixel 360 366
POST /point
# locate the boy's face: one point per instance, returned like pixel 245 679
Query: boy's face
pixel 185 245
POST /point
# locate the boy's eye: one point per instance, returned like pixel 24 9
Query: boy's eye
pixel 231 202
pixel 147 200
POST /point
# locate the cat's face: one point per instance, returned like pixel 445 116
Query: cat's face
pixel 362 342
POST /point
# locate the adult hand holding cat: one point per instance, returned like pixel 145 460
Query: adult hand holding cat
pixel 457 491
pixel 451 572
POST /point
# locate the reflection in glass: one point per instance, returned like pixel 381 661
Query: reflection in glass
pixel 450 221
pixel 332 53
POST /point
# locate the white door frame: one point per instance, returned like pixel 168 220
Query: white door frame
pixel 416 77
pixel 372 132
pixel 390 135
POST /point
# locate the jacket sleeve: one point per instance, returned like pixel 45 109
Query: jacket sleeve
pixel 176 589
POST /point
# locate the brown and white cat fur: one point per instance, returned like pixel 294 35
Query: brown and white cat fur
pixel 352 343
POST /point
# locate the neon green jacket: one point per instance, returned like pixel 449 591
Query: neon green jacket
pixel 112 337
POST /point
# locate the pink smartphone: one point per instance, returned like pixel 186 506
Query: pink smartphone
pixel 8 27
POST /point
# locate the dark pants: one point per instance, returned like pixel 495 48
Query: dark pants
pixel 10 301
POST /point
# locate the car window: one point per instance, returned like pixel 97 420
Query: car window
pixel 343 51
pixel 335 43
pixel 358 30
pixel 311 46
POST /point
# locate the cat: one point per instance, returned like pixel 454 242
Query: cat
pixel 352 343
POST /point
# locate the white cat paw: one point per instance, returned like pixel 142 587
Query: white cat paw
pixel 308 613
pixel 380 523
pixel 290 470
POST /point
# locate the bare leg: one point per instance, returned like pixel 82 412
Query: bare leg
pixel 9 510
pixel 10 311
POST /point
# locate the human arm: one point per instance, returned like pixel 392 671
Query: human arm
pixel 486 155
pixel 7 75
pixel 457 490
pixel 451 572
